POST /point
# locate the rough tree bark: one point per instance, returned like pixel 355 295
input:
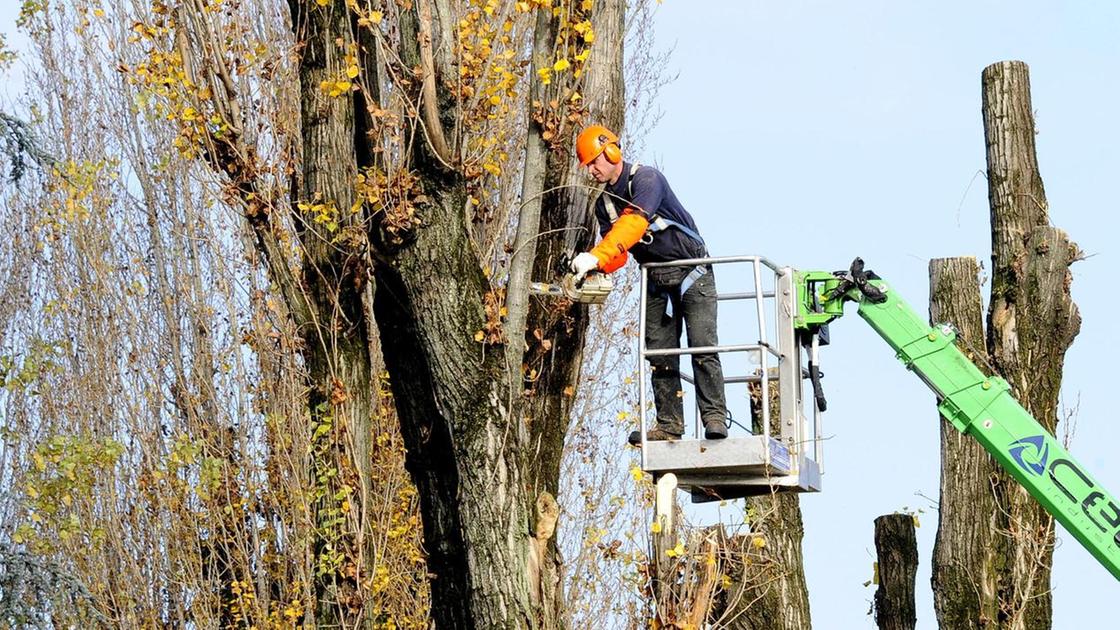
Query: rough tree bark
pixel 458 402
pixel 567 224
pixel 333 278
pixel 896 548
pixel 968 552
pixel 1032 321
pixel 556 331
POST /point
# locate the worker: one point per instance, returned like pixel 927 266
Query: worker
pixel 638 213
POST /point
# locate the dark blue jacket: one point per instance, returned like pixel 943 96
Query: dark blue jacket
pixel 652 198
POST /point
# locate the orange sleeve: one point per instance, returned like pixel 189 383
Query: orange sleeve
pixel 626 231
pixel 614 264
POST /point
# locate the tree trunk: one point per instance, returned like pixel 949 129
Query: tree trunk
pixel 768 590
pixel 567 224
pixel 333 280
pixel 452 400
pixel 896 547
pixel 487 510
pixel 556 332
pixel 968 554
pixel 451 393
pixel 1032 321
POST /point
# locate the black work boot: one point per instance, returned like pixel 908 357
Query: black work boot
pixel 715 429
pixel 653 435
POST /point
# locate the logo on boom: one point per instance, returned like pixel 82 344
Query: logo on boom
pixel 1040 454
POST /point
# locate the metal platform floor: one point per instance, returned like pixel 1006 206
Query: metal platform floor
pixel 715 470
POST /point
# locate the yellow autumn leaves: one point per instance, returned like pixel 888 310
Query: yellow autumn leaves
pixel 325 214
pixel 575 34
pixel 373 17
pixel 335 88
pixel 344 83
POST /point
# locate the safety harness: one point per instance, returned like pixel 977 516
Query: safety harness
pixel 658 223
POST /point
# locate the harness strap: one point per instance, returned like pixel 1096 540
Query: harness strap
pixel 694 275
pixel 659 223
pixel 612 211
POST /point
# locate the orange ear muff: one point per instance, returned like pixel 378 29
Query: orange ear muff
pixel 611 150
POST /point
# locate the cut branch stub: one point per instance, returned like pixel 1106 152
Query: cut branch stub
pixel 896 547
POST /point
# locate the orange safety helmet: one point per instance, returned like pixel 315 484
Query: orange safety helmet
pixel 594 140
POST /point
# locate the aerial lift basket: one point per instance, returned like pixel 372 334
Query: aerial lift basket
pixel 786 459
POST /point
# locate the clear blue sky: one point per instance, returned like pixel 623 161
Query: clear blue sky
pixel 812 132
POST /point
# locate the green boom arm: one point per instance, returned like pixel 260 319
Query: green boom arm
pixel 977 405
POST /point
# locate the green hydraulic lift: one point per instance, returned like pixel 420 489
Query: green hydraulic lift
pixel 804 303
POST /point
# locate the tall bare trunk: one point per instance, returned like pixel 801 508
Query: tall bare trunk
pixel 968 554
pixel 1032 321
pixel 896 547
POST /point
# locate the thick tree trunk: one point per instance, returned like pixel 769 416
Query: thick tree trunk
pixel 1031 321
pixel 452 395
pixel 896 547
pixel 968 553
pixel 337 347
pixel 769 591
pixel 487 512
pixel 452 398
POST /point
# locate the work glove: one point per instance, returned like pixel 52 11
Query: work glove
pixel 583 264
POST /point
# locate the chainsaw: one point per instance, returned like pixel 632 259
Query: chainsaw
pixel 591 289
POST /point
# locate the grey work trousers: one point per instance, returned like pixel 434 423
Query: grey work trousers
pixel 696 310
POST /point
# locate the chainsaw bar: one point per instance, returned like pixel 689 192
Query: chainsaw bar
pixel 593 289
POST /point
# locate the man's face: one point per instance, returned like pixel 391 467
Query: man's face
pixel 601 169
